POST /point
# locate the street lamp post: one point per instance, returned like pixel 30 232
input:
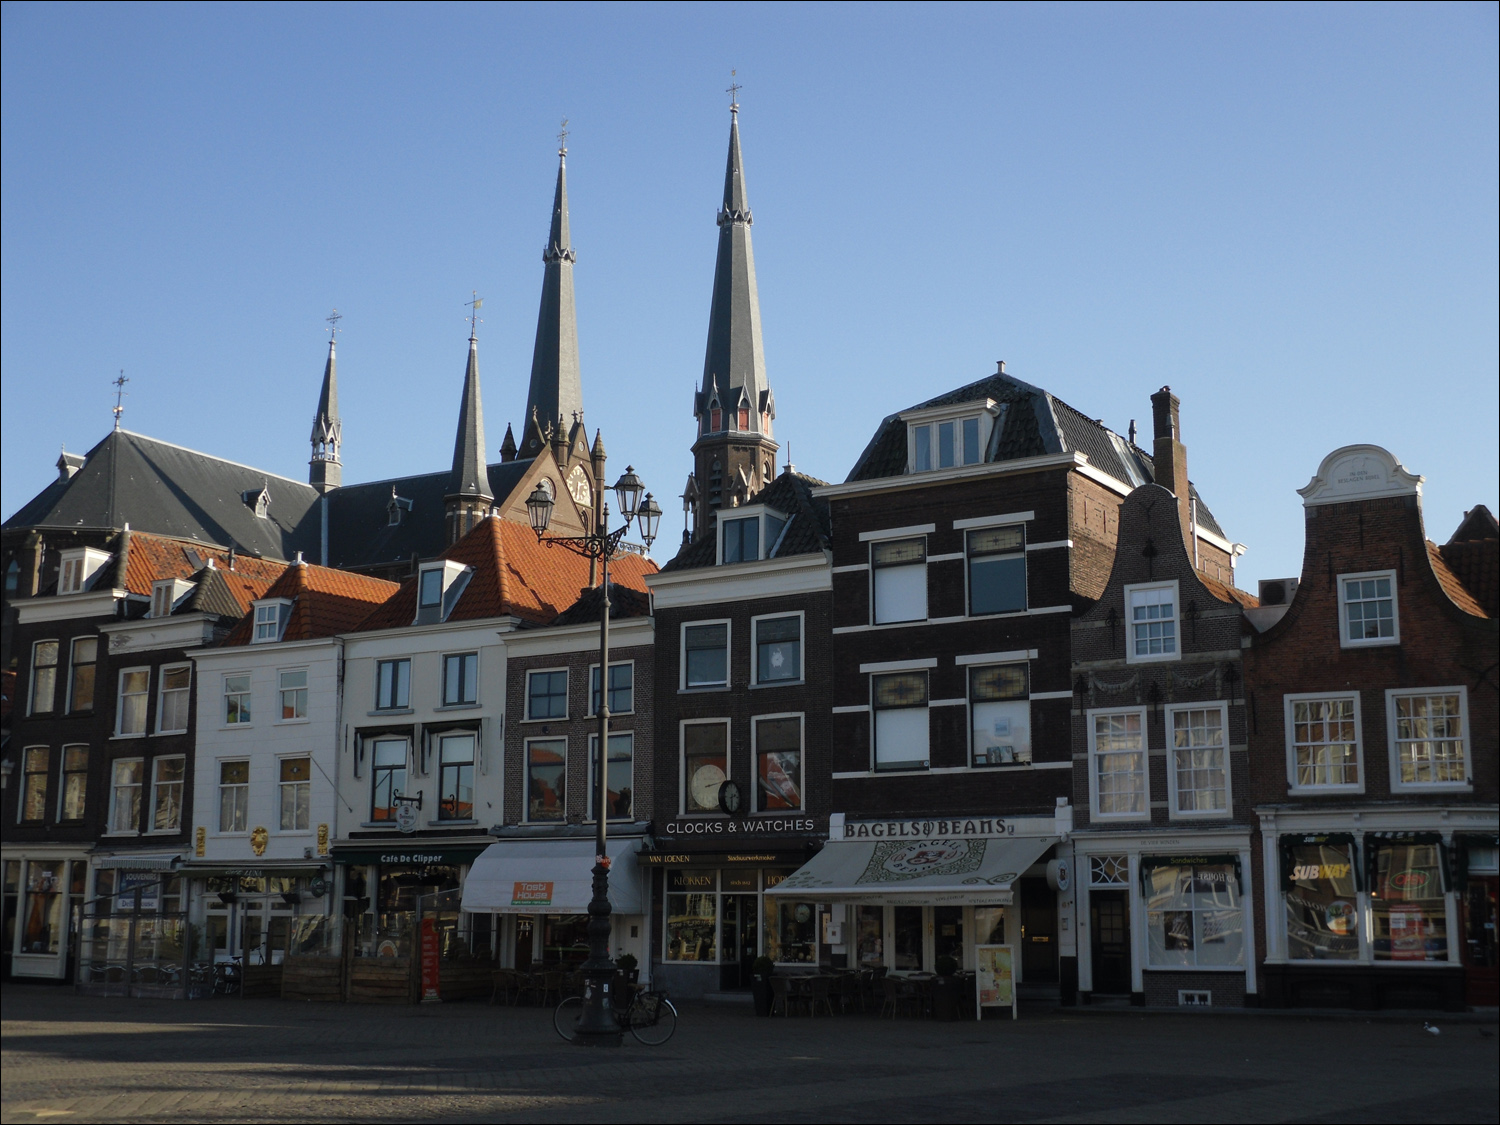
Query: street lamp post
pixel 597 1026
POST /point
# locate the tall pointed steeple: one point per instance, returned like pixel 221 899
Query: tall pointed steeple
pixel 469 498
pixel 556 387
pixel 325 472
pixel 734 407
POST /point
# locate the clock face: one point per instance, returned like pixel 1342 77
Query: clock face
pixel 729 797
pixel 703 787
pixel 579 488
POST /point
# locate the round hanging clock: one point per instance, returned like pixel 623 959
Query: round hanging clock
pixel 730 797
pixel 703 787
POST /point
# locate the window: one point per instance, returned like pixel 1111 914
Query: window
pixel 1199 768
pixel 619 777
pixel 164 595
pixel 1429 737
pixel 956 442
pixel 1408 906
pixel 744 418
pixel 705 765
pixel 234 796
pixel 1323 741
pixel 77 567
pixel 36 767
pixel 81 674
pixel 296 794
pixel 705 655
pixel 742 540
pixel 172 707
pixel 460 678
pixel 997 570
pixel 1153 622
pixel 547 695
pixel 456 776
pixel 546 779
pixel 71 578
pixel 387 777
pixel 270 619
pixel 621 689
pixel 430 589
pixel 1000 715
pixel 900 580
pixel 692 916
pixel 1321 898
pixel 43 676
pixel 44 908
pixel 438 589
pixel 237 699
pixel 166 793
pixel 75 780
pixel 135 687
pixel 1194 916
pixel 778 763
pixel 1117 745
pixel 778 649
pixel 293 688
pixel 125 796
pixel 392 685
pixel 900 720
pixel 1367 609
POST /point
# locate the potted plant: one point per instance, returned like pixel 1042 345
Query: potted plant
pixel 945 989
pixel 760 984
pixel 627 966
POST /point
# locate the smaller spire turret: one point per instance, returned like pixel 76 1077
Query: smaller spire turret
pixel 508 446
pixel 469 496
pixel 325 470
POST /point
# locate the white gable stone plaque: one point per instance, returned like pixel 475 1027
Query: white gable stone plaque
pixel 1359 472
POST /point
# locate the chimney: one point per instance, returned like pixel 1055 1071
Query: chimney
pixel 1169 456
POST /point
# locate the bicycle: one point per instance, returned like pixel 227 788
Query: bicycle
pixel 651 1017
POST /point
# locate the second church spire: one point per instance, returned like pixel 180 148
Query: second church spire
pixel 556 392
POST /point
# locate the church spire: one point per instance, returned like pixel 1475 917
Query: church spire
pixel 325 472
pixel 556 387
pixel 469 497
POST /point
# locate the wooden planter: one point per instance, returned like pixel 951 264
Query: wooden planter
pixel 312 978
pixel 382 980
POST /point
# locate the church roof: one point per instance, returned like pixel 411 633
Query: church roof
pixel 808 531
pixel 556 390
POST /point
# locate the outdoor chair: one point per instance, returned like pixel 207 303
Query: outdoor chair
pixel 552 987
pixel 779 997
pixel 819 995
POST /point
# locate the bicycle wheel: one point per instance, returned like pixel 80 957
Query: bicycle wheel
pixel 652 1019
pixel 566 1015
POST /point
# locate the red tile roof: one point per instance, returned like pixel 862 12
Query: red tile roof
pixel 1227 593
pixel 1457 592
pixel 152 558
pixel 514 576
pixel 324 602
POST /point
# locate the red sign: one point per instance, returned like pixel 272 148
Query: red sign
pixel 1408 932
pixel 431 962
pixel 531 894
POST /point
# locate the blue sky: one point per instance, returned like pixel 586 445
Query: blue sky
pixel 1287 213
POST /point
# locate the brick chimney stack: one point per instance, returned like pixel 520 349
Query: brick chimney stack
pixel 1169 456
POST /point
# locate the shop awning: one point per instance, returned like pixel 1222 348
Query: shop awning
pixel 551 877
pixel 153 862
pixel 916 872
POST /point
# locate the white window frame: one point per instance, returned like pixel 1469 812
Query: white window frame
pixel 567 695
pixel 682 778
pixel 225 695
pixel 73 665
pixel 908 765
pixel 1372 642
pixel 718 685
pixel 161 698
pixel 970 704
pixel 1393 746
pixel 594 671
pixel 165 594
pixel 443 679
pixel 281 788
pixel 242 789
pixel 1288 712
pixel 156 790
pixel 62 783
pixel 1089 717
pixel 76 568
pixel 441 739
pixel 1158 657
pixel 453 581
pixel 957 413
pixel 875 580
pixel 114 796
pixel 282 690
pixel 755 680
pixel 45 775
pixel 143 696
pixel 31 707
pixel 393 662
pixel 765 546
pixel 1169 714
pixel 270 613
pixel 755 796
pixel 526 778
pixel 968 558
pixel 593 741
pixel 373 741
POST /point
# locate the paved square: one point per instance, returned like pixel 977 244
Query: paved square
pixel 71 1058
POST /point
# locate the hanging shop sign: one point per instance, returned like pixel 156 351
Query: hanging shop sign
pixel 431 962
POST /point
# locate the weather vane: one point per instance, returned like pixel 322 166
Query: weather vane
pixel 734 93
pixel 333 324
pixel 119 385
pixel 474 319
pixel 562 139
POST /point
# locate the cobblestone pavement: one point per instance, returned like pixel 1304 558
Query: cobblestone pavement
pixel 70 1058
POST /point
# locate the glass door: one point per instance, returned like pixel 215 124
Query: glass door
pixel 740 942
pixel 1109 919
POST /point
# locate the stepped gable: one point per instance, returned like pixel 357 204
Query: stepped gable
pixel 808 531
pixel 324 602
pixel 1473 556
pixel 513 576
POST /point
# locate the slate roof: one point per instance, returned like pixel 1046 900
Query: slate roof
pixel 1473 556
pixel 791 493
pixel 513 576
pixel 1033 423
pixel 623 602
pixel 324 602
pixel 1457 592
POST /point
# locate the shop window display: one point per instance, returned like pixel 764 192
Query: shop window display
pixel 871 921
pixel 44 921
pixel 1408 906
pixel 692 916
pixel 948 932
pixel 791 932
pixel 908 938
pixel 989 925
pixel 565 939
pixel 1194 916
pixel 1322 908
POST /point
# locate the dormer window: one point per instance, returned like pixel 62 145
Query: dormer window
pixel 165 595
pixel 77 569
pixel 439 586
pixel 271 617
pixel 753 534
pixel 394 508
pixel 744 418
pixel 949 437
pixel 716 420
pixel 258 500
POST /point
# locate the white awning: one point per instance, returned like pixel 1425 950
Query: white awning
pixel 551 877
pixel 128 862
pixel 916 872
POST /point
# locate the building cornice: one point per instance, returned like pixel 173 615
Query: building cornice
pixel 739 582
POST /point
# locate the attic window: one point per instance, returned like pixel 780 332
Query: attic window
pixel 394 508
pixel 947 438
pixel 753 534
pixel 439 586
pixel 258 500
pixel 165 595
pixel 271 617
pixel 78 567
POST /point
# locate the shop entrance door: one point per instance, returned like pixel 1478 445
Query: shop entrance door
pixel 1481 974
pixel 524 926
pixel 1038 932
pixel 1109 921
pixel 740 942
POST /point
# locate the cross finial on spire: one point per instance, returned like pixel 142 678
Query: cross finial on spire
pixel 734 93
pixel 119 385
pixel 474 319
pixel 333 324
pixel 562 138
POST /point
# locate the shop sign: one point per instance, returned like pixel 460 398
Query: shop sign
pixel 431 962
pixel 147 882
pixel 1313 872
pixel 200 842
pixel 531 894
pixel 409 857
pixel 259 838
pixel 1409 880
pixel 681 859
pixel 970 827
pixel 760 826
pixel 407 816
pixel 995 980
pixel 322 839
pixel 1408 938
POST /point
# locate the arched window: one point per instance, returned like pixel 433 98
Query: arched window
pixel 744 418
pixel 718 421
